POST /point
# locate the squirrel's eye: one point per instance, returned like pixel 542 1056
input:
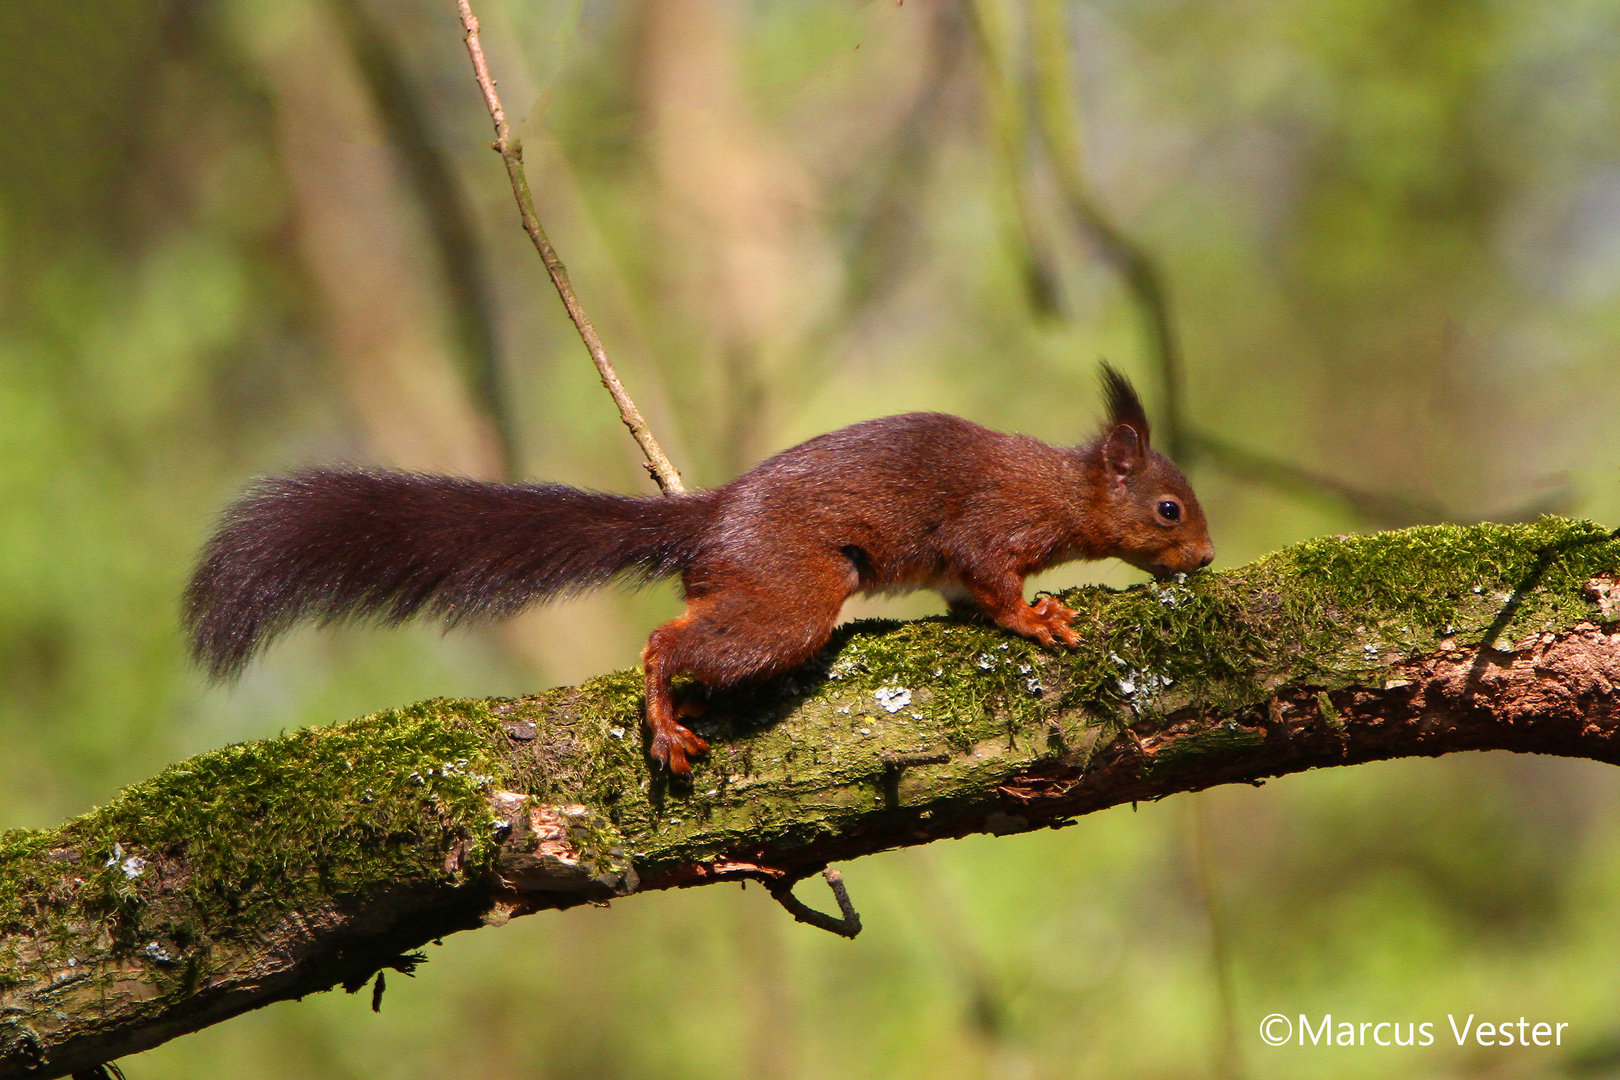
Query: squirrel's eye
pixel 1169 510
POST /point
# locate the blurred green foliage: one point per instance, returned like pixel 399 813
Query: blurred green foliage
pixel 1391 238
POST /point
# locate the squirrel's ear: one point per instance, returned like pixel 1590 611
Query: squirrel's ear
pixel 1124 407
pixel 1122 452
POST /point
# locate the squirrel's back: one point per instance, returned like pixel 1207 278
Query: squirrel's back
pixel 331 544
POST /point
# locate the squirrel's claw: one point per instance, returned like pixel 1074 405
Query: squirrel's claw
pixel 671 748
pixel 1054 621
pixel 1045 622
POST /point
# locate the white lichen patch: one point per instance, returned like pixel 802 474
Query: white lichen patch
pixel 1138 687
pixel 846 665
pixel 133 866
pixel 892 698
pixel 1169 595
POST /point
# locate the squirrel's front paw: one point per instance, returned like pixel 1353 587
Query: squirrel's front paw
pixel 1055 619
pixel 672 746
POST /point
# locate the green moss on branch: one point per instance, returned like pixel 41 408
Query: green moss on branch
pixel 264 870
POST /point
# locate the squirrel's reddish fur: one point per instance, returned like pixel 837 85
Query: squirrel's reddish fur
pixel 907 502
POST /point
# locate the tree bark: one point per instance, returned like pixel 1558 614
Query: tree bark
pixel 275 869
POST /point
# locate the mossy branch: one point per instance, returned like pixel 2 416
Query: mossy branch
pixel 274 869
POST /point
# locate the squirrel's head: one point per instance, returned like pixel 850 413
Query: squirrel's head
pixel 1155 518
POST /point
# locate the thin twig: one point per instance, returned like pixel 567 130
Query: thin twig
pixel 848 926
pixel 511 151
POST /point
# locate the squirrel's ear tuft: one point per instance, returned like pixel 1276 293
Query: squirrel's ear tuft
pixel 1124 407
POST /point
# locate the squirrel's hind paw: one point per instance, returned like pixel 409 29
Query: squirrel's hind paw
pixel 671 748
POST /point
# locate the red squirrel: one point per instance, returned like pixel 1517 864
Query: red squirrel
pixel 919 501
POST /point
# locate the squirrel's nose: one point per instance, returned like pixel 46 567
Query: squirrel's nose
pixel 1209 557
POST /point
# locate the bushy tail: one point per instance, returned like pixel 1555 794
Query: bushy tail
pixel 332 544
